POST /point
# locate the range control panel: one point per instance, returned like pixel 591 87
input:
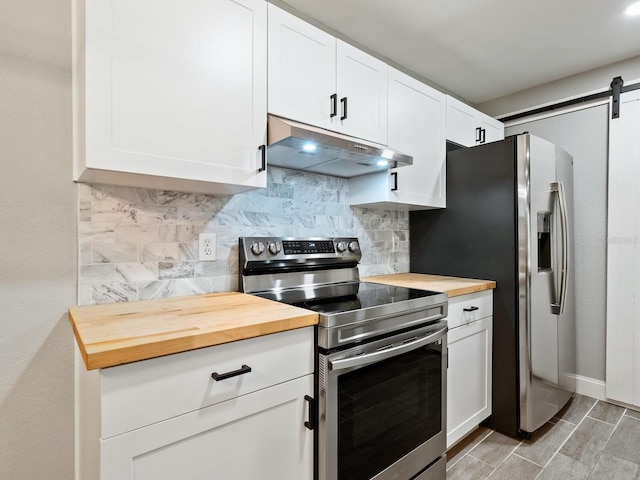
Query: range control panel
pixel 292 247
pixel 298 250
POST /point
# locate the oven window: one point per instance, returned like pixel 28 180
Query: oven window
pixel 386 410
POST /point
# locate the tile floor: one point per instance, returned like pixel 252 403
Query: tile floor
pixel 587 440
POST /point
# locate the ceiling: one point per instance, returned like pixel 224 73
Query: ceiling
pixel 484 49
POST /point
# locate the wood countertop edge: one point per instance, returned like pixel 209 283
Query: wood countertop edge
pixel 471 289
pixel 453 286
pixel 95 358
pixel 242 317
pixel 102 355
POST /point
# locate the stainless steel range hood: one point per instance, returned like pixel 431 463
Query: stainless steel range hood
pixel 303 147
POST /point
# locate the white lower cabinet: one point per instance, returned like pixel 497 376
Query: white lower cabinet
pixel 469 373
pixel 259 435
pixel 167 418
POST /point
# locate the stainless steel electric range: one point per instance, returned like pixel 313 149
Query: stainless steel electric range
pixel 381 363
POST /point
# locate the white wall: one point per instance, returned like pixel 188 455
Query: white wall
pixel 37 241
pixel 574 86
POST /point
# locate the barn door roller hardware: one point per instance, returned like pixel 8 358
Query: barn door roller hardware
pixel 616 89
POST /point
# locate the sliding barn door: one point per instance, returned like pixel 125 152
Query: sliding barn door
pixel 623 254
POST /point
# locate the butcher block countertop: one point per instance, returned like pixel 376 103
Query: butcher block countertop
pixel 454 286
pixel 114 334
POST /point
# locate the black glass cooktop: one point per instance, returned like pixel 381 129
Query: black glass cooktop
pixel 361 296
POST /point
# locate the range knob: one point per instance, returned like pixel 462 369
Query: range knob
pixel 274 248
pixel 353 247
pixel 257 248
pixel 341 247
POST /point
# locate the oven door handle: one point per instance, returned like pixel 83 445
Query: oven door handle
pixel 386 353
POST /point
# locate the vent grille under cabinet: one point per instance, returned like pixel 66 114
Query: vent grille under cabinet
pixel 321 376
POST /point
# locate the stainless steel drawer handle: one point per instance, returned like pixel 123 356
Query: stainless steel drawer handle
pixel 223 376
pixel 471 309
pixel 378 356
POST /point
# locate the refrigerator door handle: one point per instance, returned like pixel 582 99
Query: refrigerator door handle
pixel 558 188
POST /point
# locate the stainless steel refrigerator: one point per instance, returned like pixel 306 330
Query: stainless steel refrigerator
pixel 509 218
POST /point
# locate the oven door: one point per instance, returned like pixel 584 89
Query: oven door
pixel 382 406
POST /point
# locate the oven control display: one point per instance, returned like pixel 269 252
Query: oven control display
pixel 295 246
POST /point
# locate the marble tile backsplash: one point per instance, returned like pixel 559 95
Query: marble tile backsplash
pixel 137 244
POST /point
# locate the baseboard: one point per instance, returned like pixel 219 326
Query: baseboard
pixel 590 387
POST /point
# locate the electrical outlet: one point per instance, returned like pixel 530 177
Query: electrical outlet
pixel 206 247
pixel 395 242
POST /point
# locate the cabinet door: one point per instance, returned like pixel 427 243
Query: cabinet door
pixel 461 123
pixel 175 90
pixel 623 254
pixel 468 378
pixel 362 94
pixel 302 70
pixel 258 435
pixel 467 126
pixel 417 128
pixel 493 130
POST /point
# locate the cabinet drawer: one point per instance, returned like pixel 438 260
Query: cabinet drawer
pixel 141 393
pixel 469 308
pixel 257 436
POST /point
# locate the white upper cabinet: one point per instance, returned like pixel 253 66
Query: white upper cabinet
pixel 302 70
pixel 467 126
pixel 492 130
pixel 319 80
pixel 416 127
pixel 172 94
pixel 461 123
pixel 362 94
